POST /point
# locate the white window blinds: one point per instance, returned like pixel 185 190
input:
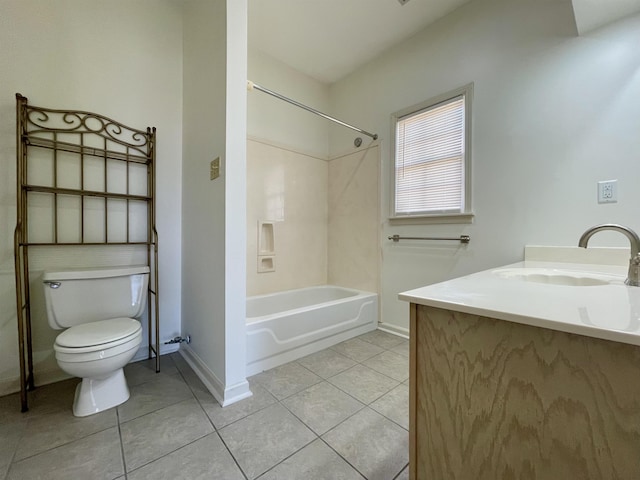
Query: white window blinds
pixel 430 160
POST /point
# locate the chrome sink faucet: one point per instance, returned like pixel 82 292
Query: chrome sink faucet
pixel 633 277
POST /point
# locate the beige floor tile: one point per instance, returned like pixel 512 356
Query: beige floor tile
pixel 377 447
pixel 363 383
pixel 326 363
pixel 53 397
pixel 10 408
pixel 145 370
pixel 180 363
pixel 147 438
pixel 50 430
pixel 315 461
pixel 382 339
pixel 286 380
pixel 404 475
pixel 192 380
pixel 204 459
pixel 265 438
pixel 395 405
pixel 154 395
pixel 11 431
pixel 322 406
pixel 357 350
pixel 169 419
pixel 221 417
pixel 390 364
pixel 402 349
pixel 95 457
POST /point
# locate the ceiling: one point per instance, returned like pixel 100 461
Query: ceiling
pixel 328 39
pixel 591 14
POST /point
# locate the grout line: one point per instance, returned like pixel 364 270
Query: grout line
pixel 62 444
pixel 401 470
pixel 352 415
pixel 299 449
pixel 232 455
pixel 289 456
pixel 281 400
pixel 347 461
pixel 196 398
pixel 182 375
pixel 124 460
pixel 375 399
pixel 249 414
pixel 17 444
pixel 158 409
pixel 300 420
pixel 169 453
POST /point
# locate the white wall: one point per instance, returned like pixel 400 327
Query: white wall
pixel 552 114
pixel 121 59
pixel 235 172
pixel 214 218
pixel 279 122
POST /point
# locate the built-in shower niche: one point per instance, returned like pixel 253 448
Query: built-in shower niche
pixel 266 263
pixel 266 247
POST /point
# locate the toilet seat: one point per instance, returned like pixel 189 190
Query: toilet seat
pixel 96 334
pixel 96 340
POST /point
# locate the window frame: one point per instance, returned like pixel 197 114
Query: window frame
pixel 465 215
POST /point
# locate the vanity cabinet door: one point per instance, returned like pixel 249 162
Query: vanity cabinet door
pixel 491 399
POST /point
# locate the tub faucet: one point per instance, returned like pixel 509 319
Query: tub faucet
pixel 633 277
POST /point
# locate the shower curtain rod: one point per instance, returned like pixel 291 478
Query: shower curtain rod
pixel 252 86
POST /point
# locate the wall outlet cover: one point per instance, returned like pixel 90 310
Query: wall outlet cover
pixel 608 191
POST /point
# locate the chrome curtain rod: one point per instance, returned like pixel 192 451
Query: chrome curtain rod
pixel 252 86
pixel 461 238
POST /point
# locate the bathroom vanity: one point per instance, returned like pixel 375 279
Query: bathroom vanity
pixel 527 371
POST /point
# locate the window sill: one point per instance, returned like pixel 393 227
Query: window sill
pixel 432 219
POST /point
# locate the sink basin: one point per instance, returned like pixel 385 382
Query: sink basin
pixel 558 277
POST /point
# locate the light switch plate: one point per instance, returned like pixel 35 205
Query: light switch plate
pixel 215 168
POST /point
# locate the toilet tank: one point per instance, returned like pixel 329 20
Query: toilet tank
pixel 77 296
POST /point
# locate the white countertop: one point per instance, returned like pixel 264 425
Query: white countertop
pixel 610 312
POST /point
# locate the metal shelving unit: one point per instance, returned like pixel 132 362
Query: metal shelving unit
pixel 82 137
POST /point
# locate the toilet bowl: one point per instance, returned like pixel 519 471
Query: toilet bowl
pixel 98 308
pixel 97 353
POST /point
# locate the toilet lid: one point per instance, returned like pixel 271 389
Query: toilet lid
pixel 98 333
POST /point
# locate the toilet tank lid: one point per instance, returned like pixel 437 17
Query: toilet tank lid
pixel 93 272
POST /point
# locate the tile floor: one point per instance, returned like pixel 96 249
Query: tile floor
pixel 341 413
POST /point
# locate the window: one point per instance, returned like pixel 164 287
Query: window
pixel 432 159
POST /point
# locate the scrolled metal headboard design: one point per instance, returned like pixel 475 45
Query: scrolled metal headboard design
pixel 41 121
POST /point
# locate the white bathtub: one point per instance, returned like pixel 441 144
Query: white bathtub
pixel 284 326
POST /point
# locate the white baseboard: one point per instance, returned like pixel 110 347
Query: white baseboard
pixel 12 385
pixel 225 395
pixel 45 377
pixel 394 329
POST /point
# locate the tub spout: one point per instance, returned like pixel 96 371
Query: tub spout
pixel 633 277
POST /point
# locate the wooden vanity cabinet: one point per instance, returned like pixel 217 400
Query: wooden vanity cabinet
pixel 492 399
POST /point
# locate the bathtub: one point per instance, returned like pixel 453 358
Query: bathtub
pixel 284 326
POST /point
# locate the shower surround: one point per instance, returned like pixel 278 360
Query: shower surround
pixel 325 215
pixel 324 249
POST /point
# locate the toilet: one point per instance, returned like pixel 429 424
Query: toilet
pixel 98 307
